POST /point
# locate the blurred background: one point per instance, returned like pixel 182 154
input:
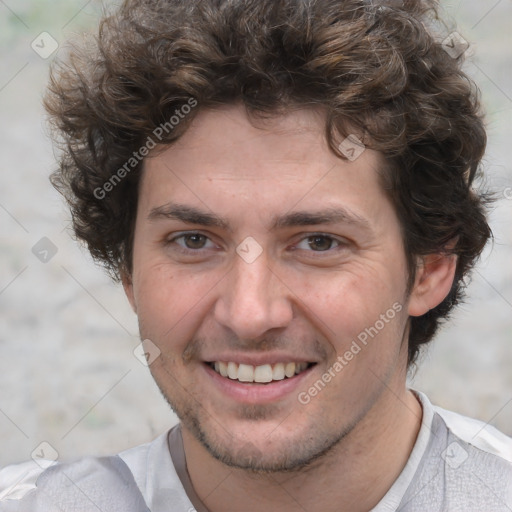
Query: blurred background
pixel 68 375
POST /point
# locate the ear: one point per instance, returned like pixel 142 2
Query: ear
pixel 433 281
pixel 126 279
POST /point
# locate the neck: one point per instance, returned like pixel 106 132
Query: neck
pixel 354 475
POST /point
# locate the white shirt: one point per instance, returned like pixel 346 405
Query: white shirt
pixel 457 464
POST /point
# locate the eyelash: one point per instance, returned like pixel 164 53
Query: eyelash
pixel 184 235
pixel 340 243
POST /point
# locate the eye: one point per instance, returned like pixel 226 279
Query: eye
pixel 318 243
pixel 192 241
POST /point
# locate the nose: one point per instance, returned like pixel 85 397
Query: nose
pixel 253 300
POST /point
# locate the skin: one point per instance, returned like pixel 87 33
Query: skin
pixel 305 298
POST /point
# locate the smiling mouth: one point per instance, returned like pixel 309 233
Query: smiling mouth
pixel 263 374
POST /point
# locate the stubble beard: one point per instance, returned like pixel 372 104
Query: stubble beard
pixel 293 455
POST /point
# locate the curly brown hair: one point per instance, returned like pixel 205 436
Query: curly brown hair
pixel 377 68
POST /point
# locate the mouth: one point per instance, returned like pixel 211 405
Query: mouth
pixel 262 374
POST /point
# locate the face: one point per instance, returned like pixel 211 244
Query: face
pixel 259 252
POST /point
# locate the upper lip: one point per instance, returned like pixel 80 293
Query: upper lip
pixel 258 359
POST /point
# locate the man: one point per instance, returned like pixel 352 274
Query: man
pixel 284 188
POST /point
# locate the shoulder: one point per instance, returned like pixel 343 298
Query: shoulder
pixel 476 433
pixel 467 465
pixel 155 471
pixel 141 478
pixel 19 481
pixel 99 481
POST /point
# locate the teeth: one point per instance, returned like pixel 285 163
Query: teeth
pixel 289 369
pixel 223 369
pixel 245 373
pixel 232 370
pixel 278 372
pixel 300 367
pixel 263 374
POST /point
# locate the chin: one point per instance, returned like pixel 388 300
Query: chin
pixel 261 446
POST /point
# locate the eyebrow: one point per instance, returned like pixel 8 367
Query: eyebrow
pixel 188 214
pixel 336 215
pixel 193 215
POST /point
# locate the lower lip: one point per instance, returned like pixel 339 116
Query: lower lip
pixel 255 393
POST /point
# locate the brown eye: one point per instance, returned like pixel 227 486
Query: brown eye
pixel 195 241
pixel 320 242
pixel 190 242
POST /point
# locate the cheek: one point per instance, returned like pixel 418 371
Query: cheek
pixel 171 302
pixel 352 299
pixel 161 300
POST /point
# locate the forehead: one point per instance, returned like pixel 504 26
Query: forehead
pixel 230 163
